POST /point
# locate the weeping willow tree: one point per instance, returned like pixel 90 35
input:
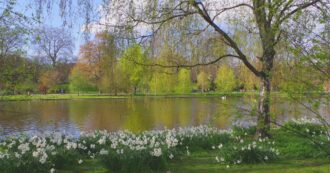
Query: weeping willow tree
pixel 269 21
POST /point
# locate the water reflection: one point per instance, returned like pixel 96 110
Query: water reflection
pixel 136 114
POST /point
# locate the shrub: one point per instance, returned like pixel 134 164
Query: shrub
pixel 241 131
pixel 304 128
pixel 247 151
pixel 202 137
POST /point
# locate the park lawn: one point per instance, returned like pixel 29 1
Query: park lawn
pixel 204 163
pixel 55 97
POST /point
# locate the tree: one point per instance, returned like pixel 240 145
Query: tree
pixel 54 44
pixel 13 30
pixel 13 37
pixel 247 79
pixel 105 44
pixel 162 83
pixel 225 80
pixel 203 81
pixel 163 79
pixel 135 73
pixel 97 59
pixel 79 82
pixel 184 84
pixel 48 79
pixel 16 72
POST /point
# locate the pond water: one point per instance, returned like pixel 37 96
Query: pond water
pixel 136 114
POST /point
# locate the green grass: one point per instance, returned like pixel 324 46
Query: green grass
pixel 56 97
pixel 96 95
pixel 204 162
pixel 104 96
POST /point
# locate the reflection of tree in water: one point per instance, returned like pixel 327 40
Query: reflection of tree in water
pixel 227 110
pixel 163 112
pixel 139 114
pixel 184 112
pixel 138 119
pixel 98 114
pixel 34 116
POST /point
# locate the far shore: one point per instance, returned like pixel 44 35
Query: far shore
pixel 112 96
pixel 120 96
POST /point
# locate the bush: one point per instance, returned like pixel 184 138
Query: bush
pixel 241 131
pixel 304 128
pixel 202 138
pixel 249 151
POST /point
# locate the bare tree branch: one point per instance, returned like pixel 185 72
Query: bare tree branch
pixel 230 41
pixel 185 65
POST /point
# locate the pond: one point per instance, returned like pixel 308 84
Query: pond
pixel 137 114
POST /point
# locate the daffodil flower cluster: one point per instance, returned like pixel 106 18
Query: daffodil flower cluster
pixel 46 150
pixel 242 150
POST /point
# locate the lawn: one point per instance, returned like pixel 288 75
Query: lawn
pixel 206 164
pixel 203 163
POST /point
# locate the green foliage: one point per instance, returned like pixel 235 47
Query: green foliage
pixel 203 81
pixel 132 66
pixel 25 164
pixel 243 131
pixel 134 161
pixel 225 80
pixel 15 76
pixel 184 84
pixel 162 83
pixel 78 82
pixel 248 151
pixel 28 86
pixel 205 142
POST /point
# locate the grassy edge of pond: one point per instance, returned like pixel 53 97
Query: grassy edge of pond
pixel 203 162
pixel 103 96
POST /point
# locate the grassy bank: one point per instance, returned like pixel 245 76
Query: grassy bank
pixel 104 96
pixel 197 164
pixel 56 97
pixel 203 163
pixel 193 149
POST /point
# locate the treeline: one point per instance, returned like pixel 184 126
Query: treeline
pixel 21 75
pixel 178 59
pixel 103 67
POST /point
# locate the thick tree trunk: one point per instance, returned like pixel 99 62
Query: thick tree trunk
pixel 263 121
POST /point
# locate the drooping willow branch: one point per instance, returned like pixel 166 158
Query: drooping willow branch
pixel 184 65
